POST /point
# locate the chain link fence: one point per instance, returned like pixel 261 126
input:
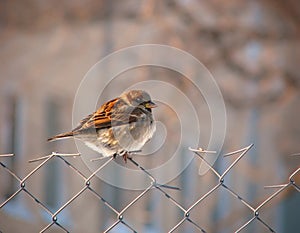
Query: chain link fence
pixel 152 184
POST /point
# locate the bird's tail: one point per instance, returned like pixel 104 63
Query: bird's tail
pixel 61 136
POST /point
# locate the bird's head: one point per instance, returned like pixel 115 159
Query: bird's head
pixel 138 98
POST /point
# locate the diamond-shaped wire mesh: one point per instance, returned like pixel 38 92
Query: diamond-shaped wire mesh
pixel 165 190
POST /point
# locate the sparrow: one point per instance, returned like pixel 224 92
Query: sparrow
pixel 118 127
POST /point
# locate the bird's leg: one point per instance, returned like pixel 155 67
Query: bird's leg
pixel 125 156
pixel 122 153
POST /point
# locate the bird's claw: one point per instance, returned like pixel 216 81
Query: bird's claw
pixel 125 154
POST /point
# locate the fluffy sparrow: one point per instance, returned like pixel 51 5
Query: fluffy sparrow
pixel 120 126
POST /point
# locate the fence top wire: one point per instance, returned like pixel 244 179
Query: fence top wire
pixel 163 188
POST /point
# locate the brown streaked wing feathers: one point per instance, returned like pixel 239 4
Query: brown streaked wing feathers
pixel 82 122
pixel 114 112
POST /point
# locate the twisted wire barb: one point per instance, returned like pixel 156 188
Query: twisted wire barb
pixel 6 155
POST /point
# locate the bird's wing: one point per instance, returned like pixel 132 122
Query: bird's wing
pixel 113 113
pixel 82 122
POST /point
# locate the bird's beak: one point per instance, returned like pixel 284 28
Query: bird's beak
pixel 150 104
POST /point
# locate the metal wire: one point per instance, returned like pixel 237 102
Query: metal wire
pixel 119 214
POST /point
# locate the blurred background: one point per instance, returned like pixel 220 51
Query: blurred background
pixel 252 49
